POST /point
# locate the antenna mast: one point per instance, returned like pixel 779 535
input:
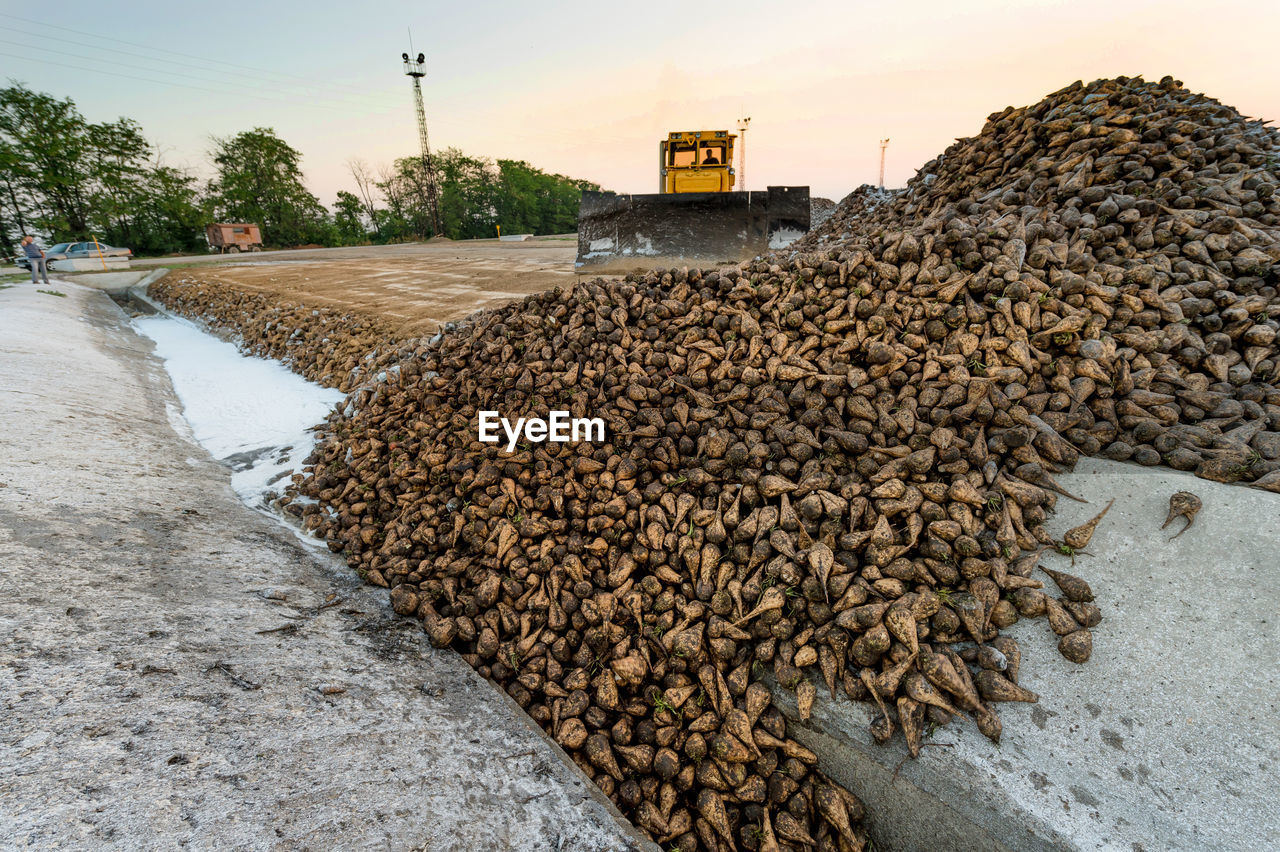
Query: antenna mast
pixel 742 153
pixel 414 68
pixel 884 143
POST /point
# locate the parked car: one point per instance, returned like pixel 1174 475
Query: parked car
pixel 76 251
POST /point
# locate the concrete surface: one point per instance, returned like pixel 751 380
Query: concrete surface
pixel 115 282
pixel 1167 739
pixel 178 670
pixel 557 248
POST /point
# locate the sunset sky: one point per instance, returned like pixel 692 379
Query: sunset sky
pixel 588 89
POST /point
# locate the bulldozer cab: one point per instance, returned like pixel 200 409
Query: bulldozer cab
pixel 696 161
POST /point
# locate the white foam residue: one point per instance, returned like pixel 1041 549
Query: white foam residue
pixel 252 414
pixel 174 415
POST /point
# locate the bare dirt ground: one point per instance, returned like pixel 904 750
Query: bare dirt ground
pixel 417 286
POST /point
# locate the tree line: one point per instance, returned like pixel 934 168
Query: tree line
pixel 66 178
pixel 476 195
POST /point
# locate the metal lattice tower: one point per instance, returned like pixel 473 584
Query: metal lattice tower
pixel 414 68
pixel 884 143
pixel 742 153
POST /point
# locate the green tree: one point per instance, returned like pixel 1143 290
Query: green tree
pixel 533 201
pixel 259 180
pixel 404 186
pixel 69 178
pixel 12 221
pixel 118 161
pixel 348 218
pixel 170 217
pixel 476 195
pixel 395 222
pixel 468 195
pixel 46 167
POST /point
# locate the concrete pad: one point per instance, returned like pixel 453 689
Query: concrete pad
pixel 115 282
pixel 177 670
pixel 1167 739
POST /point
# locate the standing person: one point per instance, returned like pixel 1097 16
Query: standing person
pixel 35 257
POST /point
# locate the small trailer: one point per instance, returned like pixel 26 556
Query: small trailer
pixel 228 238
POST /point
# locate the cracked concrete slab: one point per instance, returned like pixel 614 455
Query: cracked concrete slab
pixel 178 670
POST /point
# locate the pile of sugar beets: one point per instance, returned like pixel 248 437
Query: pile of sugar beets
pixel 856 208
pixel 830 467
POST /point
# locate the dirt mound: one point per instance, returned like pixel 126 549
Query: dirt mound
pixel 832 465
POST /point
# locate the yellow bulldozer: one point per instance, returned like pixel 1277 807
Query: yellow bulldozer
pixel 700 161
pixel 696 217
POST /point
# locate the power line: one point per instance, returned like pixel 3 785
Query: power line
pixel 317 105
pixel 81 58
pixel 166 71
pixel 258 72
pixel 548 134
pixel 551 136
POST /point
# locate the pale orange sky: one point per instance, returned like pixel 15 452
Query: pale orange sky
pixel 588 89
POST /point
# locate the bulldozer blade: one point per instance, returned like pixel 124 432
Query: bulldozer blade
pixel 626 233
